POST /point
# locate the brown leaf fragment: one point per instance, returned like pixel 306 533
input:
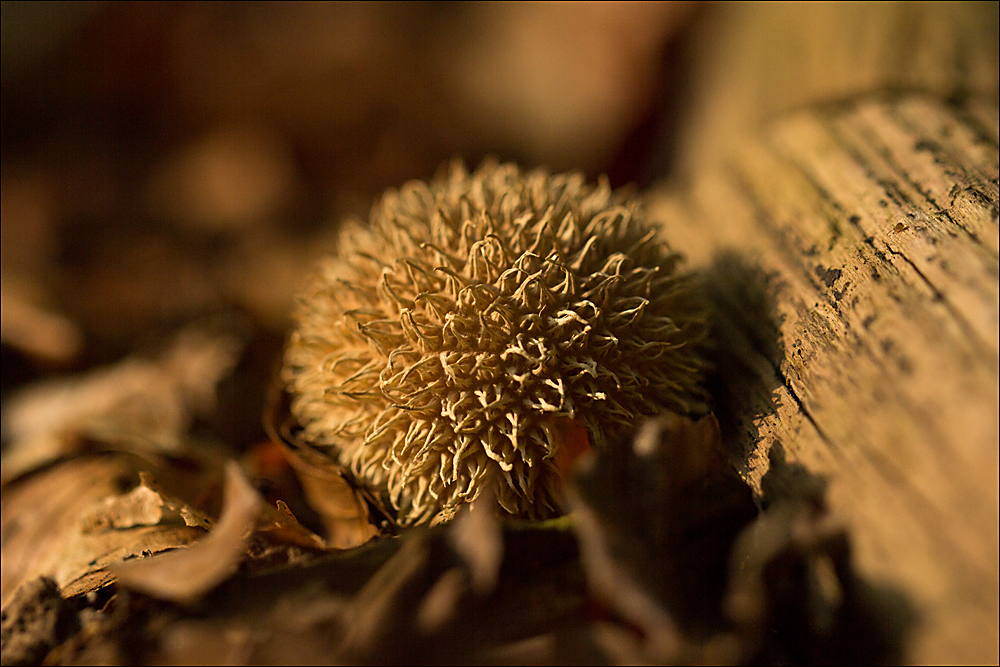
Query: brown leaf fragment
pixel 342 509
pixel 145 505
pixel 36 620
pixel 279 526
pixel 184 576
pixel 140 507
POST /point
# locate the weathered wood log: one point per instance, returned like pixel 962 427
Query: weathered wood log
pixel 753 61
pixel 852 251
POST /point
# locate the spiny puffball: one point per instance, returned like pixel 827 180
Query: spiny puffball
pixel 466 336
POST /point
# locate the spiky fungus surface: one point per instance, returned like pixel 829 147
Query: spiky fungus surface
pixel 441 351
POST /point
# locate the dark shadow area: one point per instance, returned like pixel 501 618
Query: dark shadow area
pixel 744 348
pixel 664 522
pixel 792 592
pixel 812 606
pixel 666 511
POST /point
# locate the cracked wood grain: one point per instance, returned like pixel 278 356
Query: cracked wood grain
pixel 875 225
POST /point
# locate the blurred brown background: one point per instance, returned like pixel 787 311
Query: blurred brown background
pixel 164 160
pixel 161 161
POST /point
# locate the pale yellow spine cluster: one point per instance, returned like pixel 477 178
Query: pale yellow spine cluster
pixel 436 352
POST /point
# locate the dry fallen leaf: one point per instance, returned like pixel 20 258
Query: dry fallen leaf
pixel 184 576
pixel 51 524
pixel 149 403
pixel 279 526
pixel 145 505
pixel 340 506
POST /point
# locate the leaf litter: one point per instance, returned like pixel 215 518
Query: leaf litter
pixel 158 549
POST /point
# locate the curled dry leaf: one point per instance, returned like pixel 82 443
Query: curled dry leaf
pixel 279 526
pixel 184 576
pixel 136 400
pixel 341 507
